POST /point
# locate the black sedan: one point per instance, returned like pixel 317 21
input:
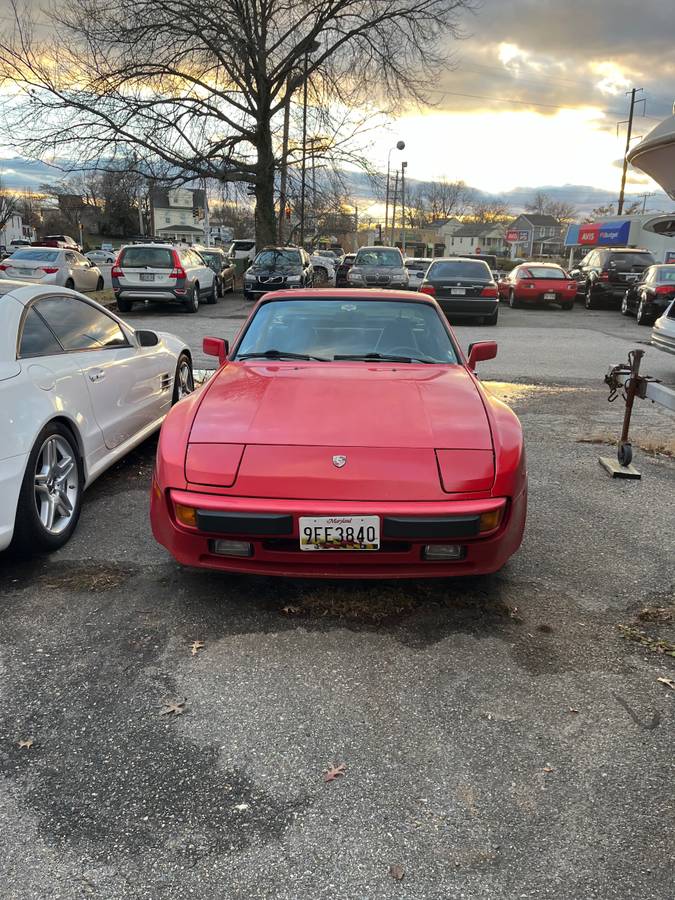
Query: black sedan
pixel 222 265
pixel 343 268
pixel 278 269
pixel 464 288
pixel 649 297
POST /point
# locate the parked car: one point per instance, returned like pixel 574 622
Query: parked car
pixel 243 249
pixel 651 295
pixel 79 388
pixel 491 260
pixel 417 269
pixel 663 332
pixel 162 272
pixel 58 240
pixel 275 268
pixel 463 287
pixel 378 267
pixel 389 458
pixel 102 257
pixel 19 242
pixel 222 265
pixel 47 265
pixel 538 283
pixel 324 268
pixel 603 275
pixel 343 269
pixel 333 255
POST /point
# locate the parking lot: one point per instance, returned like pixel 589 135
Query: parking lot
pixel 499 737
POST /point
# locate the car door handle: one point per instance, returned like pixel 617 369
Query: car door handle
pixel 96 375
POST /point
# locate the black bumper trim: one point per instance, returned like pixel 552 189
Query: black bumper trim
pixel 431 528
pixel 243 523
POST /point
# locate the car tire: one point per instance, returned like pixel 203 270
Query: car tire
pixel 212 296
pixel 642 317
pixel 568 305
pixel 184 379
pixel 625 310
pixel 70 284
pixel 513 301
pixel 124 306
pixel 100 284
pixel 45 491
pixel 192 303
pixel 590 301
pixel 491 320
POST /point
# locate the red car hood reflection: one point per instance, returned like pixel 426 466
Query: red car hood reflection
pixel 344 404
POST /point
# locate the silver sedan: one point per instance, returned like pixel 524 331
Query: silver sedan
pixel 50 265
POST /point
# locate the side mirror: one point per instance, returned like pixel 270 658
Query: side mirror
pixel 481 350
pixel 147 338
pixel 219 347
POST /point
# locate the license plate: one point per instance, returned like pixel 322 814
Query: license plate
pixel 549 296
pixel 631 277
pixel 458 292
pixel 147 276
pixel 339 533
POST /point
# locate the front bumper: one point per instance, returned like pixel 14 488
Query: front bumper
pixel 11 475
pixel 271 527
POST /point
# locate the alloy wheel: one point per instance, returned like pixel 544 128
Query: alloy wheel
pixel 56 484
pixel 184 379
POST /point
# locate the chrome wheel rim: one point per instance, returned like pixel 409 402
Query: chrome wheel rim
pixel 624 305
pixel 185 380
pixel 56 485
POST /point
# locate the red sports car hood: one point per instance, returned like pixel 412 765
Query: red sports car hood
pixel 343 404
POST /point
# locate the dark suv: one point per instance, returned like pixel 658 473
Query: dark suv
pixel 604 275
pixel 276 269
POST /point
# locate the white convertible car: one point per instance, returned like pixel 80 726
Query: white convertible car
pixel 79 388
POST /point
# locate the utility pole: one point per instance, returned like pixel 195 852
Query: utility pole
pixel 207 226
pixel 393 212
pixel 629 122
pixel 404 166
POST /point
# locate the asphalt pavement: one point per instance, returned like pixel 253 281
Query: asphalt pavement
pixel 501 737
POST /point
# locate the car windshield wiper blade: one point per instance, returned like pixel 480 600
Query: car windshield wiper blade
pixel 280 354
pixel 382 357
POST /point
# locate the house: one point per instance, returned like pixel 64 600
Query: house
pixel 15 230
pixel 178 214
pixel 537 235
pixel 445 230
pixel 473 238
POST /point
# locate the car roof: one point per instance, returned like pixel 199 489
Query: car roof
pixel 625 249
pixel 347 294
pixel 459 259
pixel 24 292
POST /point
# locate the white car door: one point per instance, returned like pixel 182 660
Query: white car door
pixel 130 386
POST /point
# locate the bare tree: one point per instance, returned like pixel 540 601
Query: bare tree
pixel 200 89
pixel 545 205
pixel 489 212
pixel 448 198
pixel 9 206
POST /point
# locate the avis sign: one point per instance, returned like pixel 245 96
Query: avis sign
pixel 517 237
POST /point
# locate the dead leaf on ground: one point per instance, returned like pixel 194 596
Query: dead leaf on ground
pixel 573 710
pixel 334 772
pixel 291 610
pixel 196 647
pixel 667 681
pixel 397 872
pixel 548 769
pixel 173 708
pixel 25 745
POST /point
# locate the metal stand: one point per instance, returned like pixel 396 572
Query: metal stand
pixel 627 379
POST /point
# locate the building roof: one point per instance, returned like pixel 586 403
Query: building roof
pixel 539 218
pixel 180 229
pixel 474 229
pixel 160 199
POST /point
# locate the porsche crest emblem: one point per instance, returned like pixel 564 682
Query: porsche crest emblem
pixel 339 461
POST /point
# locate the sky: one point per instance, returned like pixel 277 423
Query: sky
pixel 547 82
pixel 533 97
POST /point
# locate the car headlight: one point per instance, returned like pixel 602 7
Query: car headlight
pixel 293 279
pixel 354 276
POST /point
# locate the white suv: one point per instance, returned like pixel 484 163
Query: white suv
pixel 162 272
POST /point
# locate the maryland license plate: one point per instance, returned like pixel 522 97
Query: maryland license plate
pixel 339 533
pixel 549 296
pixel 147 276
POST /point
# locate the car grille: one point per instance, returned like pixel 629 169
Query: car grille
pixel 271 279
pixel 377 279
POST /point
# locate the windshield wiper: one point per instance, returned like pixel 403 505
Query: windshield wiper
pixel 280 354
pixel 382 357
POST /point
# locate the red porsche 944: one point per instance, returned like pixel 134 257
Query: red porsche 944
pixel 345 435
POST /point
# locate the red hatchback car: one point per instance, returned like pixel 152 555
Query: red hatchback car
pixel 345 436
pixel 539 283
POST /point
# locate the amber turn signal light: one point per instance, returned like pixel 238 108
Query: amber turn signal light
pixel 186 515
pixel 490 520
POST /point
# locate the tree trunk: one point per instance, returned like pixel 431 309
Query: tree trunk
pixel 265 217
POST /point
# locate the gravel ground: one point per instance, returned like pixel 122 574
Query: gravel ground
pixel 503 737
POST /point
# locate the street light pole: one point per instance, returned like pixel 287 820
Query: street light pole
pixel 393 214
pixel 404 166
pixel 400 145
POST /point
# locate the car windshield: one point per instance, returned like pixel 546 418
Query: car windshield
pixel 543 272
pixel 459 269
pixel 277 259
pixel 147 258
pixel 38 255
pixel 622 260
pixel 363 329
pixel 241 245
pixel 665 273
pixel 379 256
pixel 213 259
